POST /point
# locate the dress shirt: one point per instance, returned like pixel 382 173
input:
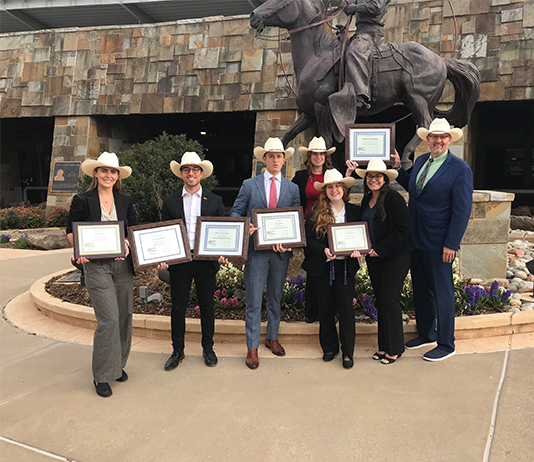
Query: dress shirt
pixel 267 182
pixel 436 163
pixel 191 212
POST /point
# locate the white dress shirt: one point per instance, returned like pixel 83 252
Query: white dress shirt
pixel 267 182
pixel 191 212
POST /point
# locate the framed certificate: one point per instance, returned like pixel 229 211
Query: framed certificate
pixel 155 243
pixel 364 142
pixel 98 239
pixel 345 238
pixel 221 236
pixel 284 225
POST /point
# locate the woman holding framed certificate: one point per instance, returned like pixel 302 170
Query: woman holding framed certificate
pixel 332 277
pixel 109 281
pixel 389 259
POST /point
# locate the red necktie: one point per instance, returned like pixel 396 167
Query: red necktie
pixel 272 194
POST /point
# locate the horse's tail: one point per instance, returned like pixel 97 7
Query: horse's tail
pixel 465 78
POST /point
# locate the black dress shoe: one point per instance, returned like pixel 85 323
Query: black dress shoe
pixel 348 363
pixel 329 356
pixel 103 389
pixel 174 360
pixel 123 377
pixel 210 358
pixel 309 320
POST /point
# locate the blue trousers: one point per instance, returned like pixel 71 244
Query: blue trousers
pixel 433 291
pixel 264 268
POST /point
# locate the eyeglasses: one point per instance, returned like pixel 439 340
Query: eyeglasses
pixel 186 170
pixel 440 137
pixel 376 177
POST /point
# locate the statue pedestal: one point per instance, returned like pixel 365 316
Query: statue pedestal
pixel 483 249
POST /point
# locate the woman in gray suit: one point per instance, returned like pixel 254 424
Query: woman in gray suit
pixel 109 282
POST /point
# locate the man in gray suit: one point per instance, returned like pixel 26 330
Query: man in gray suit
pixel 265 268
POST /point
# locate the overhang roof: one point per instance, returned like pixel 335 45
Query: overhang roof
pixel 28 15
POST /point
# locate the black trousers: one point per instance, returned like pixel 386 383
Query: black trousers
pixel 387 276
pixel 332 299
pixel 204 273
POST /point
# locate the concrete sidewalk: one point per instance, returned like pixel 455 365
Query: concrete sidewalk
pixel 289 409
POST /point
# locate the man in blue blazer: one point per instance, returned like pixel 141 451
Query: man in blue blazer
pixel 441 193
pixel 265 268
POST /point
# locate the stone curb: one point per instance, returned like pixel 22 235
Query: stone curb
pixel 154 326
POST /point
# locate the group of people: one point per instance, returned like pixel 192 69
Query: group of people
pixel 423 236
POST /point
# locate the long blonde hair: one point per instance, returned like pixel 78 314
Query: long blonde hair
pixel 94 183
pixel 322 212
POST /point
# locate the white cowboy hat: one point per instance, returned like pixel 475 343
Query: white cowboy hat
pixel 334 176
pixel 272 145
pixel 316 144
pixel 440 126
pixel 106 159
pixel 378 165
pixel 192 158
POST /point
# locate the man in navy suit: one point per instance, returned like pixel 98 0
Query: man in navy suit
pixel 188 204
pixel 265 268
pixel 441 193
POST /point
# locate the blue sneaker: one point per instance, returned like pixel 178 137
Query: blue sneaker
pixel 437 354
pixel 418 342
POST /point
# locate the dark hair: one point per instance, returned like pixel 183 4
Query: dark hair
pixel 380 209
pixel 326 166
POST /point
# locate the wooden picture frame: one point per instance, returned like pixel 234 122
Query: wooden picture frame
pixel 345 238
pixel 221 236
pixel 364 142
pixel 282 225
pixel 98 240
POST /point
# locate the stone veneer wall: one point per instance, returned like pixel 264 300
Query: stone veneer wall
pixel 218 65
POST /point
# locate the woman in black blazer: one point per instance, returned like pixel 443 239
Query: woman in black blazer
pixel 389 260
pixel 332 277
pixel 109 282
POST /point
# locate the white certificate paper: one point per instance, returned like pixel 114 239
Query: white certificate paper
pixel 220 238
pixel 279 228
pixel 349 238
pixel 369 143
pixel 155 245
pixel 99 240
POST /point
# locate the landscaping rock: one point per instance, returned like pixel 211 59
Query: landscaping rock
pixel 527 306
pixel 516 253
pixel 514 309
pixel 49 240
pixel 488 282
pixel 523 223
pixel 521 275
pixel 523 211
pixel 516 296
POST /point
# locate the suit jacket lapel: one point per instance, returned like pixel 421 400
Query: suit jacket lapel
pixel 180 204
pixel 203 204
pixel 260 184
pixel 94 205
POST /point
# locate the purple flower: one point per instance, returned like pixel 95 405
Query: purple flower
pixel 299 296
pixel 224 293
pixel 300 281
pixel 494 290
pixel 217 293
pixel 473 294
pixel 369 308
pixel 505 296
pixel 224 301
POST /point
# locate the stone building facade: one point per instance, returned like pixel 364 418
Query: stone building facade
pixel 217 65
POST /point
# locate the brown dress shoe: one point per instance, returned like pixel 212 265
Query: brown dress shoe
pixel 275 347
pixel 252 360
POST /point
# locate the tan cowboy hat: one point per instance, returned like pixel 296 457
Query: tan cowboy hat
pixel 440 126
pixel 106 159
pixel 192 158
pixel 334 176
pixel 272 145
pixel 378 165
pixel 317 145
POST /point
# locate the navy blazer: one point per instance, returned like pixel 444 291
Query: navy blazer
pixel 210 206
pixel 315 259
pixel 440 213
pixel 252 196
pixel 86 207
pixel 393 236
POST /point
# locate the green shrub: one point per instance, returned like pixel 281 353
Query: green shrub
pixel 22 217
pixel 58 218
pixel 152 180
pixel 21 242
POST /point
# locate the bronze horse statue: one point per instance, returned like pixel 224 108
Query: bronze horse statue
pixel 406 73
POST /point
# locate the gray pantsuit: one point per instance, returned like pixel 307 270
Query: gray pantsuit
pixel 109 283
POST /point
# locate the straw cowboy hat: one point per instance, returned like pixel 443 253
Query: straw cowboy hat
pixel 272 145
pixel 440 126
pixel 378 165
pixel 106 159
pixel 317 145
pixel 192 158
pixel 334 176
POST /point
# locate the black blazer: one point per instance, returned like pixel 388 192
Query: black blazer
pixel 173 208
pixel 86 207
pixel 393 235
pixel 300 179
pixel 315 259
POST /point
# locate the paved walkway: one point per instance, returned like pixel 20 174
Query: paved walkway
pixel 290 409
